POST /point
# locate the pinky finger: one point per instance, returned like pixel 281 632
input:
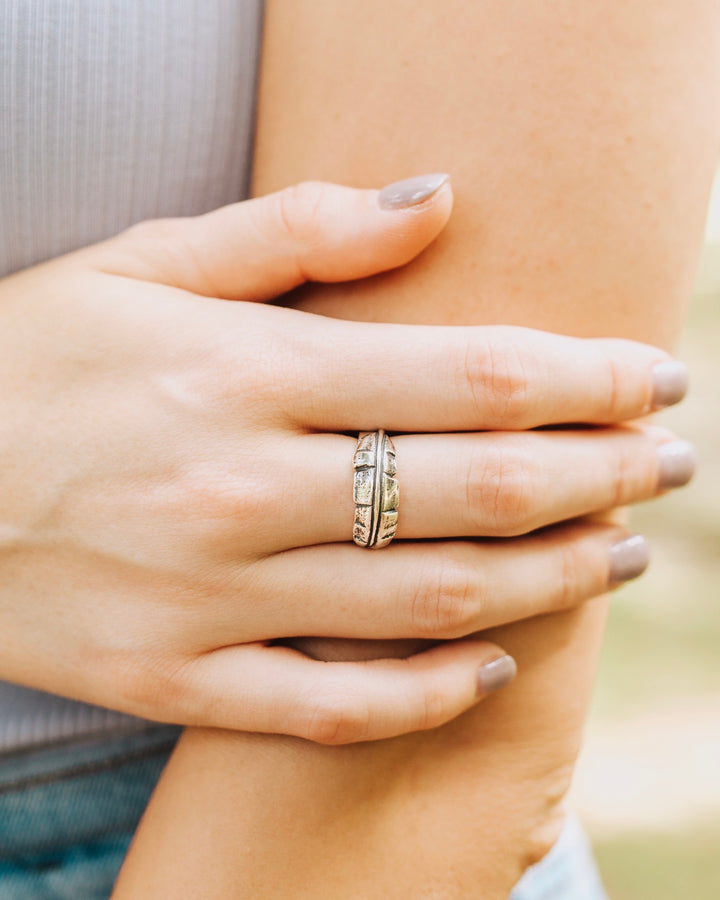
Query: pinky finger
pixel 257 687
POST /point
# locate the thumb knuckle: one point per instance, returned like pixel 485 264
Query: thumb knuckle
pixel 301 210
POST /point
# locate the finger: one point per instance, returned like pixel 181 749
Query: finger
pixel 254 687
pixel 312 231
pixel 504 484
pixel 435 590
pixel 363 376
pixel 476 485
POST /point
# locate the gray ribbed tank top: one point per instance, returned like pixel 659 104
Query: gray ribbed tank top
pixel 113 111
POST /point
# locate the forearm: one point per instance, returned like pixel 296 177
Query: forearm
pixel 436 814
pixel 581 144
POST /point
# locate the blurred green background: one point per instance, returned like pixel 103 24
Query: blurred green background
pixel 648 784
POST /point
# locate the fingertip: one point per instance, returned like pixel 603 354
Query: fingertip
pixel 496 674
pixel 408 216
pixel 670 383
pixel 628 559
pixel 413 192
pixel 416 210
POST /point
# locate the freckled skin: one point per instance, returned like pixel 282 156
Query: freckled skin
pixel 581 150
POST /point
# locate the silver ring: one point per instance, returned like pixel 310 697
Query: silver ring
pixel 375 490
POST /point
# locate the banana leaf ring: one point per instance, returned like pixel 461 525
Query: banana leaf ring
pixel 375 490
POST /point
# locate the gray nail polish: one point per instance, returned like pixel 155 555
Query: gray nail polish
pixel 677 464
pixel 628 559
pixel 670 383
pixel 495 674
pixel 411 191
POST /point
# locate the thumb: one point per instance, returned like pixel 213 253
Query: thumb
pixel 313 231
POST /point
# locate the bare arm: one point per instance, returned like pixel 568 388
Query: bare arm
pixel 581 142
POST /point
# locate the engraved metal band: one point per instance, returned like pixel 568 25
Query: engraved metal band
pixel 375 490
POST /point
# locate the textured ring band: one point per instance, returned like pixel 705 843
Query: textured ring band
pixel 375 490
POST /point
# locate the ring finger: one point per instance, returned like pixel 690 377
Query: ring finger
pixel 492 484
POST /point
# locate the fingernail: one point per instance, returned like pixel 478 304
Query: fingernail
pixel 628 559
pixel 495 674
pixel 401 194
pixel 677 464
pixel 670 383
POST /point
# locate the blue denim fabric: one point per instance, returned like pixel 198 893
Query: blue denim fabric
pixel 68 813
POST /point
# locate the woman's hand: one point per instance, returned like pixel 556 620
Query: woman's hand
pixel 177 494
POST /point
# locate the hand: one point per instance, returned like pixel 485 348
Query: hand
pixel 177 492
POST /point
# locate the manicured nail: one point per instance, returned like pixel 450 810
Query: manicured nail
pixel 670 383
pixel 677 464
pixel 411 191
pixel 628 559
pixel 495 674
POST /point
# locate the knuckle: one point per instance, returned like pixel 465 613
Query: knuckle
pixel 497 378
pixel 502 489
pixel 435 709
pixel 158 242
pixel 571 567
pixel 259 378
pixel 443 603
pixel 334 720
pixel 167 250
pixel 214 506
pixel 614 389
pixel 151 690
pixel 300 209
pixel 219 495
pixel 154 231
pixel 623 483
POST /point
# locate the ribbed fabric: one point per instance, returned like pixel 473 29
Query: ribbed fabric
pixel 29 718
pixel 114 111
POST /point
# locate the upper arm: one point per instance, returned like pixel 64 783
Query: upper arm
pixel 581 140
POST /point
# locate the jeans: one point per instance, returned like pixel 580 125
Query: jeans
pixel 568 872
pixel 68 813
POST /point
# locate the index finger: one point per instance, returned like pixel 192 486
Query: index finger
pixel 360 376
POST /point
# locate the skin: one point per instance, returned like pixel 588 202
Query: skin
pixel 581 140
pixel 177 439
